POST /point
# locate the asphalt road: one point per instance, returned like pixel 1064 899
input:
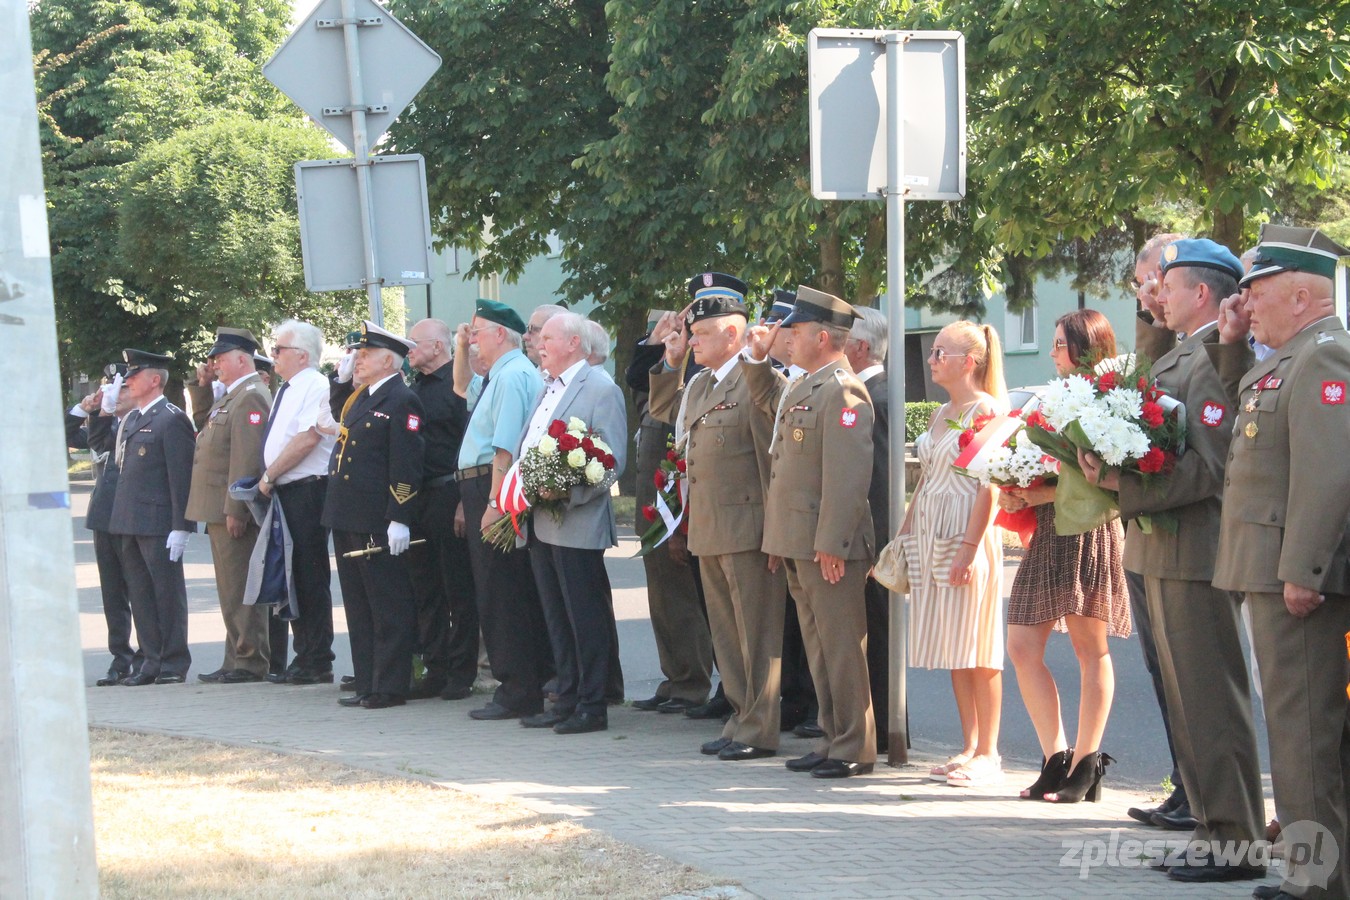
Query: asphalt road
pixel 1134 735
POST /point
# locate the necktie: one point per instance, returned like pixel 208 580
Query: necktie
pixel 125 431
pixel 272 417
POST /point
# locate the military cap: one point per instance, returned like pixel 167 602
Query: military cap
pixel 143 359
pixel 499 313
pixel 1200 253
pixel 112 370
pixel 782 306
pixel 228 339
pixel 817 306
pixel 264 362
pixel 716 294
pixel 376 338
pixel 1282 248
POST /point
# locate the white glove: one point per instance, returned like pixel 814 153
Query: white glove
pixel 110 391
pixel 346 366
pixel 398 538
pixel 176 544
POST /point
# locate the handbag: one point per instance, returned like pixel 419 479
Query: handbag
pixel 891 569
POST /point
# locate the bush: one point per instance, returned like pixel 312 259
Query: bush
pixel 916 418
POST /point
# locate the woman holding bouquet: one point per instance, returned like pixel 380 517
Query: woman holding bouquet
pixel 955 557
pixel 1071 583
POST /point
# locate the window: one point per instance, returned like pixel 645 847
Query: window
pixel 452 261
pixel 1019 329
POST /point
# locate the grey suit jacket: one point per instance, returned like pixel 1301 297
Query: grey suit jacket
pixel 152 488
pixel 588 517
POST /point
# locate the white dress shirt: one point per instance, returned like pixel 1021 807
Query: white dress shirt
pixel 303 406
pixel 554 388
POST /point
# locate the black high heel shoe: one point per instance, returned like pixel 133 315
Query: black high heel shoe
pixel 1085 783
pixel 1053 772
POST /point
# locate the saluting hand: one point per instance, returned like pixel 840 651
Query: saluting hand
pixel 760 338
pixel 1235 320
pixel 676 341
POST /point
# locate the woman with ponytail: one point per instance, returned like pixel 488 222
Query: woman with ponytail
pixel 956 554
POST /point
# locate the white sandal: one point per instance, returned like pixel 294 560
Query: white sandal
pixel 940 773
pixel 978 772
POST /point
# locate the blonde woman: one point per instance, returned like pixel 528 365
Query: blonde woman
pixel 956 556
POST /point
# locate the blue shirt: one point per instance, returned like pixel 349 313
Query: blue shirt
pixel 500 414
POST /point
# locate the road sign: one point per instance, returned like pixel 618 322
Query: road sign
pixel 847 103
pixel 330 206
pixel 311 68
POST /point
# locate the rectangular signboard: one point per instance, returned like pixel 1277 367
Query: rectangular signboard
pixel 847 102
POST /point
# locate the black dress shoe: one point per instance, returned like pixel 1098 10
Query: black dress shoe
pixel 1178 820
pixel 676 705
pixel 383 701
pixel 454 691
pixel 493 712
pixel 426 690
pixel 809 729
pixel 211 677
pixel 169 678
pixel 138 680
pixel 1267 892
pixel 714 747
pixel 736 752
pixel 582 723
pixel 1215 872
pixel 1145 816
pixel 840 768
pixel 348 683
pixel 546 719
pixel 305 676
pixel 240 676
pixel 275 678
pixel 805 763
pixel 353 700
pixel 113 677
pixel 650 704
pixel 716 708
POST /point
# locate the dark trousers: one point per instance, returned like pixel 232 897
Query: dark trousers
pixel 447 618
pixel 878 603
pixel 158 596
pixel 313 630
pixel 574 591
pixel 381 619
pixel 1148 645
pixel 509 613
pixel 112 582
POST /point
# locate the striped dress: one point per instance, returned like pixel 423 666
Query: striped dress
pixel 950 627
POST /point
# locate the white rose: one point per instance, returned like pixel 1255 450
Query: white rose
pixel 576 425
pixel 595 472
pixel 577 458
pixel 547 446
pixel 601 445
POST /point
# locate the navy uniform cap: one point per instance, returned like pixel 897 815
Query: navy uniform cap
pixel 265 363
pixel 716 294
pixel 376 338
pixel 228 339
pixel 144 359
pixel 1200 253
pixel 817 306
pixel 1286 249
pixel 783 302
pixel 500 314
pixel 112 370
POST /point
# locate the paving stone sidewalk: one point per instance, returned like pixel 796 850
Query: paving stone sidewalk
pixel 777 834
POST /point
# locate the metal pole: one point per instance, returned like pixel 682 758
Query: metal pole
pixel 362 160
pixel 897 724
pixel 47 839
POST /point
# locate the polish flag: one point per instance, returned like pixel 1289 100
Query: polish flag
pixel 994 434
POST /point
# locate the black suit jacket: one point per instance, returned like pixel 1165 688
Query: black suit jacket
pixel 879 493
pixel 375 472
pixel 152 487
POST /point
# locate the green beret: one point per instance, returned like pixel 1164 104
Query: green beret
pixel 501 314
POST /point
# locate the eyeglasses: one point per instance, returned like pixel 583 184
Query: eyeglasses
pixel 937 355
pixel 1060 343
pixel 533 329
pixel 277 348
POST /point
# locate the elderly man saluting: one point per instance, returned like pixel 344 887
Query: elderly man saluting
pixel 374 476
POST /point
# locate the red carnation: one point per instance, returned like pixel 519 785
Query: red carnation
pixel 557 428
pixel 649 513
pixel 964 438
pixel 680 465
pixel 1106 382
pixel 660 480
pixel 1143 383
pixel 1038 420
pixel 1152 461
pixel 1152 415
pixel 568 442
pixel 670 455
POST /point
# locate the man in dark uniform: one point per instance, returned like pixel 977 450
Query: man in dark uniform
pixel 93 424
pixel 447 618
pixel 1283 540
pixel 374 479
pixel 816 519
pixel 229 448
pixel 149 514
